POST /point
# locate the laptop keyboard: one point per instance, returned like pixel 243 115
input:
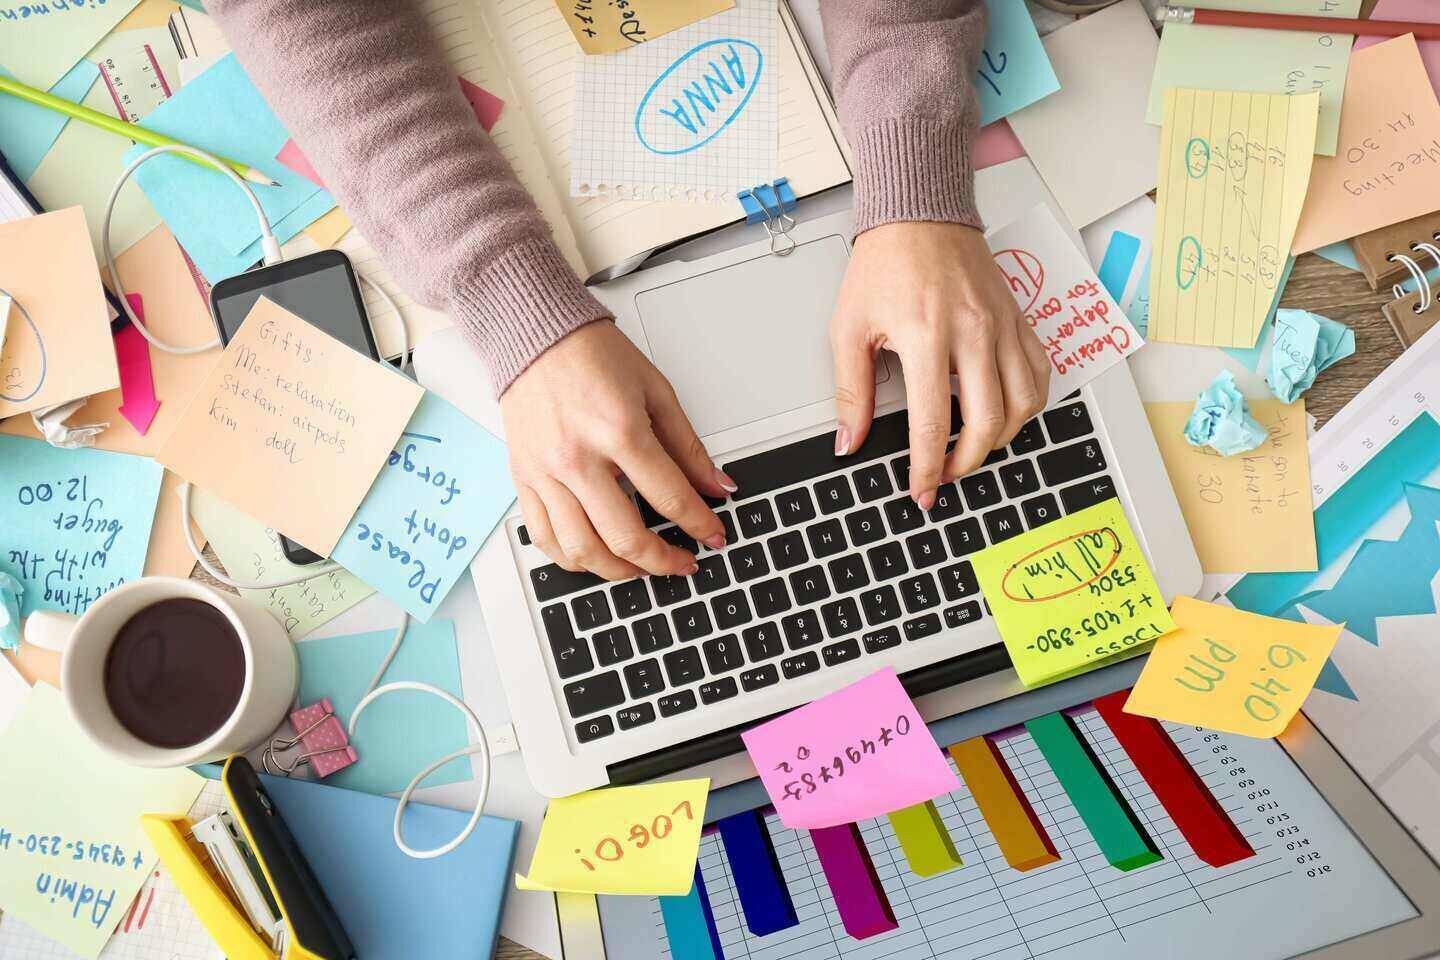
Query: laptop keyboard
pixel 827 560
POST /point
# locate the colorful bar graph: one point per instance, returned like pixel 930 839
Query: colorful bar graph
pixel 764 898
pixel 1116 829
pixel 1202 821
pixel 690 924
pixel 922 835
pixel 1007 812
pixel 860 900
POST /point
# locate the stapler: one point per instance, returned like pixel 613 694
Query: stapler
pixel 245 877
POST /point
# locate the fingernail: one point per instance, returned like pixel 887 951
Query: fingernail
pixel 842 441
pixel 691 570
pixel 717 542
pixel 723 478
pixel 926 500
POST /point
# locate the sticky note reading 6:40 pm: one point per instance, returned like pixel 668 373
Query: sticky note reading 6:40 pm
pixel 1072 594
pixel 634 841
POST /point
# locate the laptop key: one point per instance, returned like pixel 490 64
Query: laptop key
pixel 865 526
pixel 1087 494
pixel 731 609
pixel 670 590
pixel 964 537
pixel 1019 479
pixel 572 655
pixel 958 580
pixel 1003 524
pixel 809 586
pixel 1068 422
pixel 947 504
pixel 683 666
pixel 635 716
pixel 712 574
pixel 887 560
pixel 873 483
pixel 842 652
pixel 799 665
pixel 756 519
pixel 1040 510
pixel 713 691
pixel 728 522
pixel 762 642
pixel 963 614
pixel 679 538
pixel 612 646
pixel 919 593
pixel 749 562
pixel 630 598
pixel 880 605
pixel 787 550
pixel 878 640
pixel 592 610
pixel 588 730
pixel 677 702
pixel 593 694
pixel 903 515
pixel 827 538
pixel 925 549
pixel 900 467
pixel 841 617
pixel 643 678
pixel 1029 439
pixel 994 457
pixel 980 490
pixel 769 597
pixel 848 573
pixel 1072 462
pixel 552 581
pixel 795 506
pixel 692 622
pixel 722 654
pixel 922 627
pixel 758 677
pixel 801 629
pixel 652 633
pixel 834 494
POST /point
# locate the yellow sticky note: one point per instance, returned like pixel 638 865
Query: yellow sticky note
pixel 1233 173
pixel 609 27
pixel 1072 595
pixel 640 841
pixel 1230 670
pixel 1250 513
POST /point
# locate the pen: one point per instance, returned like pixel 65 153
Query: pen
pixel 132 131
pixel 1280 21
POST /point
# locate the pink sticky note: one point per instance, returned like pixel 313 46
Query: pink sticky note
pixel 1424 11
pixel 292 157
pixel 858 753
pixel 138 404
pixel 996 143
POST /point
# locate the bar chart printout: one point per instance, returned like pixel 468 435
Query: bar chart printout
pixel 1087 834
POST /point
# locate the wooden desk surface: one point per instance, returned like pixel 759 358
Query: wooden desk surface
pixel 1315 284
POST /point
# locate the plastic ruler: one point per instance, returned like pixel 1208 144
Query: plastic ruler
pixel 136 82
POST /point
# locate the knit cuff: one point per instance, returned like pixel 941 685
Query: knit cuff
pixel 914 169
pixel 525 301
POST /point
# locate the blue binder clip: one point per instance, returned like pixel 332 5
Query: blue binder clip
pixel 770 204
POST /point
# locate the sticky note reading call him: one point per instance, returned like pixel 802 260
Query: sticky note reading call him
pixel 860 752
pixel 1072 595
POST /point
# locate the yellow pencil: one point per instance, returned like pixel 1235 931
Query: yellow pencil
pixel 134 132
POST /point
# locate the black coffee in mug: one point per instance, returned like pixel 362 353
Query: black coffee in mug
pixel 175 672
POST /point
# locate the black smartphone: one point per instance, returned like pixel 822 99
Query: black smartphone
pixel 320 288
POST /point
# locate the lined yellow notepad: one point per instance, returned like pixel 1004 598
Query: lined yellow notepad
pixel 1233 172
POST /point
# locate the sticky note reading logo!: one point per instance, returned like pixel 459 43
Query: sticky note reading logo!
pixel 1072 594
pixel 858 753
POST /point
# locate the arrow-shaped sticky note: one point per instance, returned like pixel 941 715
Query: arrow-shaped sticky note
pixel 137 387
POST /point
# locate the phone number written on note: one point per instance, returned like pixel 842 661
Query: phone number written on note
pixel 79 895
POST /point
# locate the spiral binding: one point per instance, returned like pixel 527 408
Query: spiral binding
pixel 1422 283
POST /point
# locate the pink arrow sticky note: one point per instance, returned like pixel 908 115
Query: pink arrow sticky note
pixel 137 387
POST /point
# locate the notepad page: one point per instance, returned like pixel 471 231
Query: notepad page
pixel 540 54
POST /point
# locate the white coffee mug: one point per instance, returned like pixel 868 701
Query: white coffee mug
pixel 272 672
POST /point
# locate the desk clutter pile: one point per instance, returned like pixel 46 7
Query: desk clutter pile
pixel 1147 194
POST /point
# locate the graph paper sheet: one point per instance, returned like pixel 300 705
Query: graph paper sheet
pixel 158 925
pixel 691 115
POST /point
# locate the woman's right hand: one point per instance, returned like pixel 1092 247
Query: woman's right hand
pixel 588 410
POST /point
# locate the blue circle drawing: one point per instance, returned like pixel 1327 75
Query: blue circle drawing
pixel 39 342
pixel 680 62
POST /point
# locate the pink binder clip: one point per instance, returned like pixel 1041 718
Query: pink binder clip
pixel 321 736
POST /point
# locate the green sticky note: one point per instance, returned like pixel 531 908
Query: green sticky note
pixel 72 853
pixel 40 42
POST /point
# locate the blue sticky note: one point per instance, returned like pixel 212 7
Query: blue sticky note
pixel 27 132
pixel 401 733
pixel 74 524
pixel 442 490
pixel 1305 344
pixel 222 112
pixel 1014 69
pixel 1222 420
pixel 1340 252
pixel 1115 268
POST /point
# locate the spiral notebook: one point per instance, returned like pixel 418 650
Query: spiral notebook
pixel 1377 250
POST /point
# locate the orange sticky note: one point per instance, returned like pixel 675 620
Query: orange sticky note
pixel 57 345
pixel 291 426
pixel 1386 166
pixel 1229 670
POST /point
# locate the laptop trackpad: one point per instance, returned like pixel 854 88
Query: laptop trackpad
pixel 750 340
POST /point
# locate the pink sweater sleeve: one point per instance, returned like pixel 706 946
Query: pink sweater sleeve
pixel 363 88
pixel 903 84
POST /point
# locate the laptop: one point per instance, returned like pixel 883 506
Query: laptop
pixel 830 570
